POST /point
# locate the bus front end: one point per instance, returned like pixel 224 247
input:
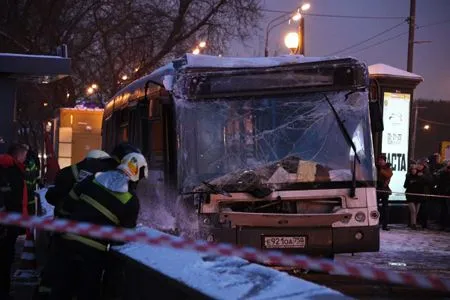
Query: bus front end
pixel 279 157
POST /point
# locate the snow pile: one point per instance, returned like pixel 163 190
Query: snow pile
pixel 386 70
pixel 224 277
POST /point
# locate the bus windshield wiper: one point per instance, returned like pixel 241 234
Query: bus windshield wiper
pixel 216 189
pixel 212 189
pixel 349 141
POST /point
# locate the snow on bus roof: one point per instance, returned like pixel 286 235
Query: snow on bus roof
pixel 386 70
pixel 208 61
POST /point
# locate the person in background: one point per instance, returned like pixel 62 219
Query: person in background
pixel 437 168
pixel 434 163
pixel 443 187
pixel 414 184
pixel 12 195
pixel 384 174
pixel 104 199
pixel 427 179
pixel 32 170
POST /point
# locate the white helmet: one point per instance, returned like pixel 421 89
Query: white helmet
pixel 135 166
pixel 97 154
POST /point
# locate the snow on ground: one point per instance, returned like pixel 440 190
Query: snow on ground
pixel 403 249
pixel 218 277
pixel 225 277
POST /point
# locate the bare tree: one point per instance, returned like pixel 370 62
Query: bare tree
pixel 111 38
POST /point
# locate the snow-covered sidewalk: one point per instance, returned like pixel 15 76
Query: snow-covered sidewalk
pixel 403 249
pixel 225 277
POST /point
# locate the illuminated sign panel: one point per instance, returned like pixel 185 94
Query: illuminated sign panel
pixel 396 138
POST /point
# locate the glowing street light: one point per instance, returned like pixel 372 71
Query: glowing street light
pixel 196 51
pixel 124 77
pixel 426 127
pixel 90 90
pixel 202 44
pixel 45 104
pixel 94 86
pixel 305 7
pixel 301 27
pixel 292 40
pixel 297 16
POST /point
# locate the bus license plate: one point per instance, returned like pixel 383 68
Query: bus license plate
pixel 272 242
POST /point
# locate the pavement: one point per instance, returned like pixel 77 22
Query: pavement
pixel 422 251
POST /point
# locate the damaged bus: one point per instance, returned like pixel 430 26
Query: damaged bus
pixel 272 153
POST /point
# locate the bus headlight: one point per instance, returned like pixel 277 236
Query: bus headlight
pixel 360 216
pixel 210 238
pixel 374 214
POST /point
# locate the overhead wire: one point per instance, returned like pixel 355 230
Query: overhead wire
pixel 334 16
pixel 399 35
pixel 368 39
pixel 380 42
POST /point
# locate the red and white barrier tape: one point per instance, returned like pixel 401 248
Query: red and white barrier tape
pixel 266 257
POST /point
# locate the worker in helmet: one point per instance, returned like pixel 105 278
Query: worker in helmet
pixel 104 199
pixel 95 161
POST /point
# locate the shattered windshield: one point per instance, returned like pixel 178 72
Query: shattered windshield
pixel 276 140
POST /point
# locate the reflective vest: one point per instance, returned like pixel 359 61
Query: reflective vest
pixel 109 205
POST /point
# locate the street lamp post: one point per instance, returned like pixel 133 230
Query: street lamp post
pixel 269 28
pixel 301 24
pixel 301 28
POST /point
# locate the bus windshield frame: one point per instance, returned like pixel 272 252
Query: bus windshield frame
pixel 223 138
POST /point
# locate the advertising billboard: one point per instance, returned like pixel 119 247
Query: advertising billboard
pixel 395 139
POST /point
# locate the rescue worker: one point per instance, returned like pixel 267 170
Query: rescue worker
pixel 32 170
pixel 104 199
pixel 12 193
pixel 384 173
pixel 95 161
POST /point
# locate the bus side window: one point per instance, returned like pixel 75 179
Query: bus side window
pixel 123 125
pixel 134 131
pixel 106 135
pixel 155 132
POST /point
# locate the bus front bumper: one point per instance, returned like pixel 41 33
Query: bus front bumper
pixel 321 241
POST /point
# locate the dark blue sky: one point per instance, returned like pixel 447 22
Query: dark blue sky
pixel 325 35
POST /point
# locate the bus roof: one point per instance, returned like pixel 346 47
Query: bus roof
pixel 191 61
pixel 218 62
